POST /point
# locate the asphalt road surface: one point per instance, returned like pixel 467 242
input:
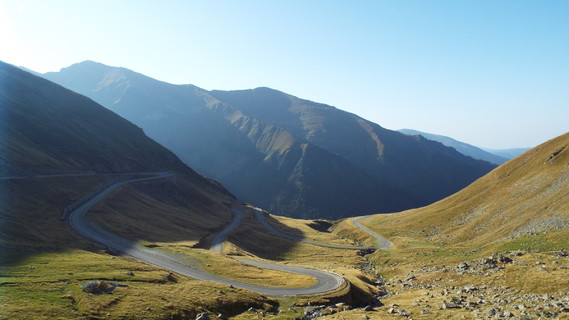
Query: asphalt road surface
pixel 383 243
pixel 217 242
pixel 326 281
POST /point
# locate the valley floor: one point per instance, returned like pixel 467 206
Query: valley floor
pixel 526 278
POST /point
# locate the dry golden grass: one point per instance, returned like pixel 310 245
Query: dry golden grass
pixel 520 206
pixel 44 262
pixel 476 221
pixel 229 268
pixel 48 287
pixel 251 238
pixel 309 229
pixel 524 196
pixel 142 216
pixel 346 230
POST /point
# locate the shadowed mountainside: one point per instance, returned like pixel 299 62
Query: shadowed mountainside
pixel 47 129
pixel 291 156
pixel 426 170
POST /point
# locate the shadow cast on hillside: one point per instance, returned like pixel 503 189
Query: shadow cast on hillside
pixel 159 211
pixel 255 238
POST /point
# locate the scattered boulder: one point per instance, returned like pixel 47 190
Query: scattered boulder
pixel 368 308
pixel 450 305
pixel 492 311
pixel 463 266
pixel 365 252
pixel 170 277
pixel 328 311
pixel 470 288
pixel 203 316
pixel 100 286
pixel 488 263
pixel 504 259
pixel 403 313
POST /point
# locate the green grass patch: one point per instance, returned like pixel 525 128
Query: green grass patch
pixel 48 286
pixel 542 242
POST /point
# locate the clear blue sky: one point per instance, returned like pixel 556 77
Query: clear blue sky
pixel 491 73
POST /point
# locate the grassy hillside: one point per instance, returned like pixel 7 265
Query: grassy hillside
pixel 525 196
pixel 46 129
pixel 497 249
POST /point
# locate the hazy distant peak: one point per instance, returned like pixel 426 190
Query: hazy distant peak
pixel 507 153
pixel 87 64
pixel 462 147
pixel 267 89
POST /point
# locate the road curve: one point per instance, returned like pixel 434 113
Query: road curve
pixel 217 242
pixel 326 281
pixel 383 243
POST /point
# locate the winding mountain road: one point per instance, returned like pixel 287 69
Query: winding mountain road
pixel 77 219
pixel 326 281
pixel 217 242
pixel 383 243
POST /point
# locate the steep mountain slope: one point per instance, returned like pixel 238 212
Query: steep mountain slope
pixel 260 163
pixel 57 150
pixel 464 148
pixel 291 156
pixel 67 131
pixel 427 170
pixel 46 129
pixel 526 196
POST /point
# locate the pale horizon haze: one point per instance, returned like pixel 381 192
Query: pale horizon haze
pixel 494 74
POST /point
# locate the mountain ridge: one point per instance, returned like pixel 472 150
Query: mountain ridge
pixel 69 120
pixel 462 147
pixel 251 141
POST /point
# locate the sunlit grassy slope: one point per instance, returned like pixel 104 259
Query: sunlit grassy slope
pixel 528 195
pixel 520 210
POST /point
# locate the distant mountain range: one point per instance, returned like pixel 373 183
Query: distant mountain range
pixel 291 156
pixel 507 153
pixel 495 156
